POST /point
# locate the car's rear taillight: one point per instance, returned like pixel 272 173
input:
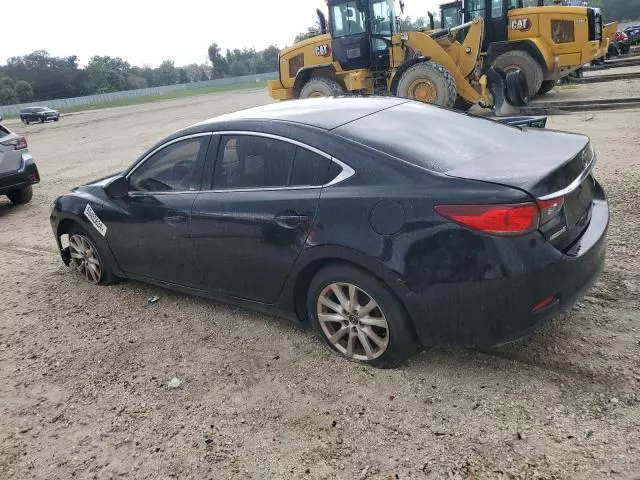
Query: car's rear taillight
pixel 19 143
pixel 550 208
pixel 503 220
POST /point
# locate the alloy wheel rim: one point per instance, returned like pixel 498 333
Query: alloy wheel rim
pixel 352 321
pixel 84 258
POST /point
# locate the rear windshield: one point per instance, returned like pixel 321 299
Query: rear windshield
pixel 3 132
pixel 431 137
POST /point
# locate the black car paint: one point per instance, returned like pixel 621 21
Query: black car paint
pixel 459 286
pixel 40 116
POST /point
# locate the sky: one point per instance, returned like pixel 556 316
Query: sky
pixel 148 32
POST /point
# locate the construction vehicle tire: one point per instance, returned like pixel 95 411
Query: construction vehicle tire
pixel 515 60
pixel 429 83
pixel 516 88
pixel 321 87
pixel 546 87
pixel 462 104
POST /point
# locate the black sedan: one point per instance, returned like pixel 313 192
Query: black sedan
pixel 38 114
pixel 386 224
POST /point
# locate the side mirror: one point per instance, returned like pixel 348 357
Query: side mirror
pixel 118 188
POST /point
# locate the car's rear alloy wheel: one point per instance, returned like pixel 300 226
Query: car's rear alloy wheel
pixel 359 317
pixel 85 258
pixel 353 321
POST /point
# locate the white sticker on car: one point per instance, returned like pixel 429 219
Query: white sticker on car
pixel 95 221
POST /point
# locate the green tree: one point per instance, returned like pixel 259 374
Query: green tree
pixel 7 96
pixel 238 68
pixel 23 91
pixel 203 75
pixel 167 73
pixel 135 82
pixel 107 74
pixel 6 82
pixel 182 76
pixel 218 62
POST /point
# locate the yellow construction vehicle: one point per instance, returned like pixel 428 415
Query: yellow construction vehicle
pixel 360 51
pixel 544 40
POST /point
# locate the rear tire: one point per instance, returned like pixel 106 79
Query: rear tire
pixel 321 87
pixel 25 121
pixel 428 82
pixel 385 327
pixel 523 61
pixel 81 240
pixel 21 196
pixel 546 87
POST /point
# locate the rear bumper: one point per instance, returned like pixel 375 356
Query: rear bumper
pixel 500 308
pixel 26 175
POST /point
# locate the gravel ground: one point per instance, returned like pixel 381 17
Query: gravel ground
pixel 87 373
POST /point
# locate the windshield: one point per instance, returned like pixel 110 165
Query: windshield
pixel 347 19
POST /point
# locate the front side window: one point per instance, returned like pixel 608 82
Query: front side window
pixel 172 169
pixel 347 19
pixel 383 17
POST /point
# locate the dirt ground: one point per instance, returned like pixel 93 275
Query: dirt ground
pixel 84 370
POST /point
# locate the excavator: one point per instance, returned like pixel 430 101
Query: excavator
pixel 361 51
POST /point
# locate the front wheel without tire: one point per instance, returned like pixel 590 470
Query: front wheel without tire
pixel 357 316
pixel 429 83
pixel 87 260
pixel 318 87
pixel 21 196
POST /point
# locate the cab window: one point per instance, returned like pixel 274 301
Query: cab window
pixel 347 19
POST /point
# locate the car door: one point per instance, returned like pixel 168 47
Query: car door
pixel 150 227
pixel 250 227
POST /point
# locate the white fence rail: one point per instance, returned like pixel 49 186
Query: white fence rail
pixel 14 110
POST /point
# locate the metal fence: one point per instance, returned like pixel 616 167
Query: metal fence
pixel 14 110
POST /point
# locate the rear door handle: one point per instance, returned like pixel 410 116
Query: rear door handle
pixel 291 220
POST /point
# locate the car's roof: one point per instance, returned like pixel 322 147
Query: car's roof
pixel 324 113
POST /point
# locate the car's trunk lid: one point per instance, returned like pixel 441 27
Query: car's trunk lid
pixel 546 165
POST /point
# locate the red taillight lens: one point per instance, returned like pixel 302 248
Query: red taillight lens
pixel 550 208
pixel 19 143
pixel 507 220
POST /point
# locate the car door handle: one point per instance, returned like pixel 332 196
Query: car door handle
pixel 291 220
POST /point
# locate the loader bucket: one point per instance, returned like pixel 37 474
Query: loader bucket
pixel 509 90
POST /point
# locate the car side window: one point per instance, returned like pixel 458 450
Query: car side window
pixel 173 168
pixel 309 168
pixel 247 161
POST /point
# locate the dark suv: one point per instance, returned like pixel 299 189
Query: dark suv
pixel 38 114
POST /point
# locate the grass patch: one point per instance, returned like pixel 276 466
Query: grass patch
pixel 167 96
pixel 160 97
pixel 567 86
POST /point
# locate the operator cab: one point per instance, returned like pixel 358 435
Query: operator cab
pixel 494 12
pixel 361 32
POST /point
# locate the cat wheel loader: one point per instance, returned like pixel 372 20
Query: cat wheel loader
pixel 360 51
pixel 545 41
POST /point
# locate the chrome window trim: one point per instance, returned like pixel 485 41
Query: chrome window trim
pixel 576 183
pixel 162 147
pixel 347 171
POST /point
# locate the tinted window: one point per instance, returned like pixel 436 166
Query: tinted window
pixel 347 19
pixel 246 161
pixel 309 168
pixel 496 9
pixel 476 8
pixel 171 169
